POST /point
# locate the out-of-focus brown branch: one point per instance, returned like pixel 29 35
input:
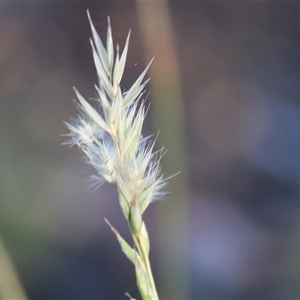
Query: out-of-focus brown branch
pixel 157 33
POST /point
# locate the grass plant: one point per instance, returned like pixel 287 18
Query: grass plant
pixel 110 136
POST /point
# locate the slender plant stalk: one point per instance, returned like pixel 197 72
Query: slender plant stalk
pixel 147 264
pixel 10 285
pixel 110 136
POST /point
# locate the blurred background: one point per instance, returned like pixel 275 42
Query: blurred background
pixel 226 100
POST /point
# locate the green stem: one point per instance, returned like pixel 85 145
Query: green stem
pixel 145 258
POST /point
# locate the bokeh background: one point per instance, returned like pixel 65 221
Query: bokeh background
pixel 226 90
